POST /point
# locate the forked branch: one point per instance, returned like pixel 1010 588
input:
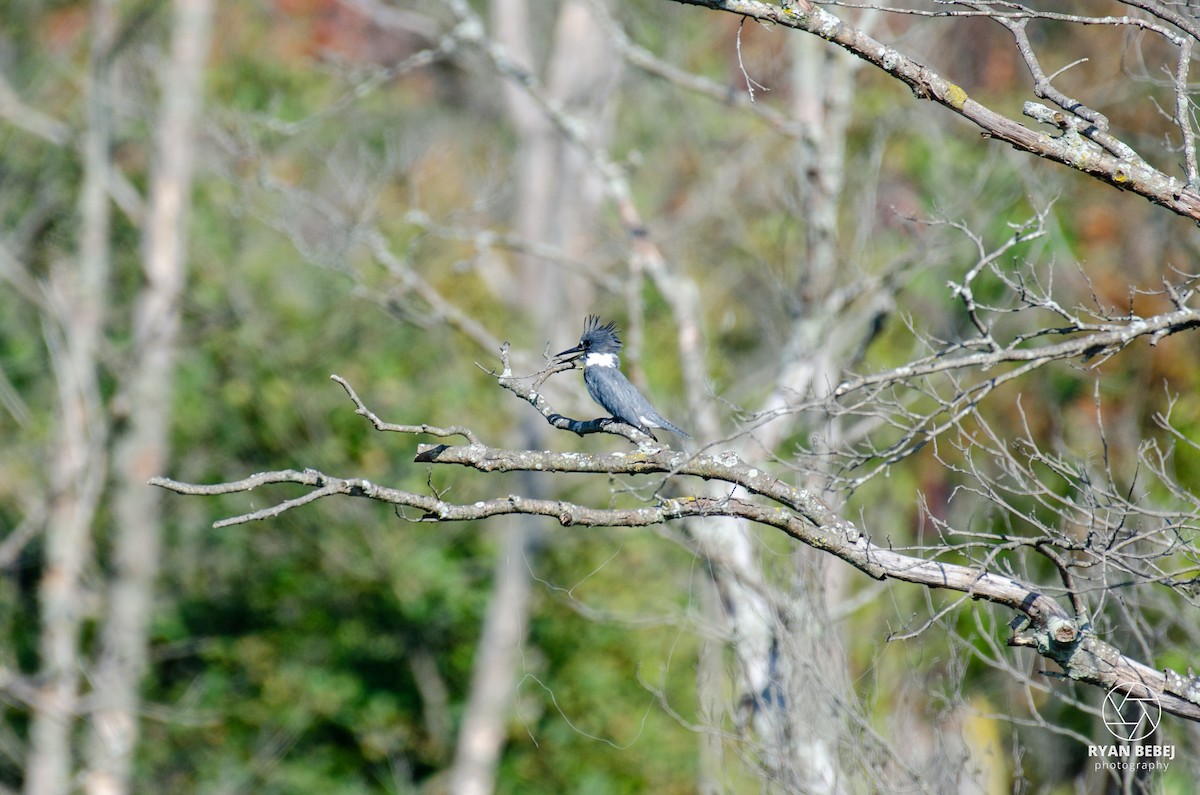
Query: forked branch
pixel 1099 157
pixel 754 495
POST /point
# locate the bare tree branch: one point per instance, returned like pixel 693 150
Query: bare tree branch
pixel 1069 149
pixel 380 425
pixel 1184 115
pixel 1044 624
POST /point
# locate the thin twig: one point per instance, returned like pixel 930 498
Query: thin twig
pixel 1183 113
pixel 380 425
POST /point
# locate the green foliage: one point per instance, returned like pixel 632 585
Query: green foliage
pixel 305 653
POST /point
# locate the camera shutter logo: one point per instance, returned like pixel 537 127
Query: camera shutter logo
pixel 1131 712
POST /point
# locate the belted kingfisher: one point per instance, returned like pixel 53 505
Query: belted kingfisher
pixel 607 385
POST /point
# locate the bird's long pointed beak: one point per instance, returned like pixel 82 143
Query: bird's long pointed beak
pixel 570 353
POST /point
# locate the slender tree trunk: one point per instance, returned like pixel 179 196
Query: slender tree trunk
pixel 77 461
pixel 552 207
pixel 481 738
pixel 813 666
pixel 786 650
pixel 142 452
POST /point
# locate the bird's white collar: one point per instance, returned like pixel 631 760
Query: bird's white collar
pixel 600 360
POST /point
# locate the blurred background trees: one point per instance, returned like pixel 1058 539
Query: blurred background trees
pixel 389 191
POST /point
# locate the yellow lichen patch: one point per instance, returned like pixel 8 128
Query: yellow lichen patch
pixel 955 96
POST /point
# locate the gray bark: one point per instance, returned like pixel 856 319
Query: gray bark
pixel 144 449
pixel 78 460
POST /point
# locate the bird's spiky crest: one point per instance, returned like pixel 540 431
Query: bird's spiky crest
pixel 600 336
